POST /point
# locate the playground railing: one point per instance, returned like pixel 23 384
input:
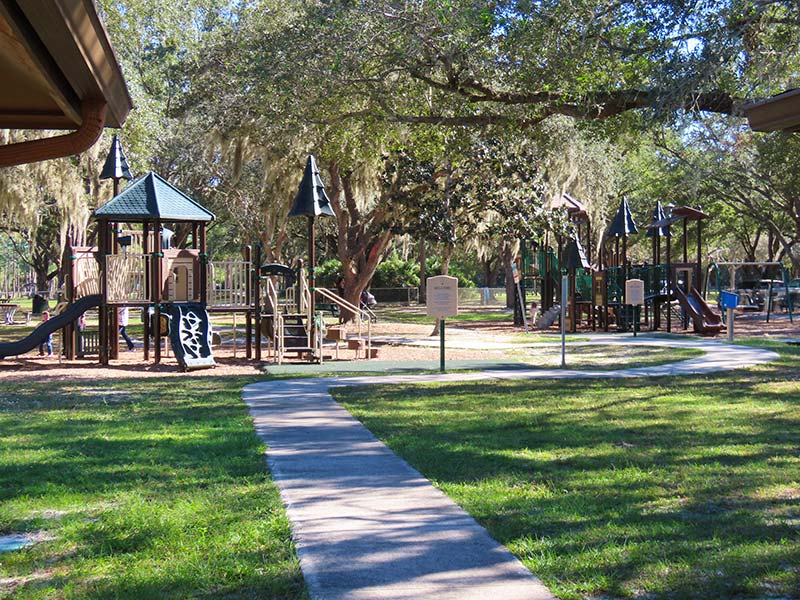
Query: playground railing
pixel 271 293
pixel 126 276
pixel 229 283
pixel 654 277
pixel 360 317
pixel 583 284
pixel 615 285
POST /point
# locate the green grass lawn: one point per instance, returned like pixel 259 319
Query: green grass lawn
pixel 601 357
pixel 660 488
pixel 148 489
pixel 416 315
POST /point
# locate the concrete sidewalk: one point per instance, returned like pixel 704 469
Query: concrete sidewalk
pixel 367 525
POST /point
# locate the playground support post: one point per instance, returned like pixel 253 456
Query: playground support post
pixel 312 266
pixel 257 306
pixel 156 299
pixel 103 316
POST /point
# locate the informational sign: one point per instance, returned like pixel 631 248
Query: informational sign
pixel 515 273
pixel 634 292
pixel 442 296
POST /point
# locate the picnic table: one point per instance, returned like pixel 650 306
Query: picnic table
pixel 9 308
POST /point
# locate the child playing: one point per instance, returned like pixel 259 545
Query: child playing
pixel 123 324
pixel 48 343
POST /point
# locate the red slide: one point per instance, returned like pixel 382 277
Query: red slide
pixel 704 319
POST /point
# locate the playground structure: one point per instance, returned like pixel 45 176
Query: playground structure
pixel 758 285
pixel 596 292
pixel 135 265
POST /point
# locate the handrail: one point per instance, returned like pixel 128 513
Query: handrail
pixel 277 322
pixel 342 303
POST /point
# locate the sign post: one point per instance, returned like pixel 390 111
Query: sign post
pixel 729 301
pixel 442 302
pixel 515 274
pixel 634 296
pixel 564 293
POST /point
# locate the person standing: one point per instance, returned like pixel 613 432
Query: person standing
pixel 123 323
pixel 48 342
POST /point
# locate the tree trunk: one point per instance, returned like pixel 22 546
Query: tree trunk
pixel 508 262
pixel 423 271
pixel 362 240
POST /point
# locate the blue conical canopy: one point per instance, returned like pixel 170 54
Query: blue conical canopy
pixel 623 225
pixel 116 166
pixel 658 216
pixel 311 199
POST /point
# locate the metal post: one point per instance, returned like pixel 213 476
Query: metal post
pixel 564 286
pixel 441 345
pixel 730 325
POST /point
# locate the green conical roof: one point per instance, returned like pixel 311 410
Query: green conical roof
pixel 151 198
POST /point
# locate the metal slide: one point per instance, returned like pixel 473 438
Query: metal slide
pixel 53 324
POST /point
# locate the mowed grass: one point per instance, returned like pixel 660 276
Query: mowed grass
pixel 417 315
pixel 604 357
pixel 662 488
pixel 148 489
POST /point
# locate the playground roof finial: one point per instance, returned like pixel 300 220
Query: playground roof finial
pixel 116 166
pixel 311 199
pixel 623 224
pixel 658 217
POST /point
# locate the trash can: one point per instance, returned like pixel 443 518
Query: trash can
pixel 39 304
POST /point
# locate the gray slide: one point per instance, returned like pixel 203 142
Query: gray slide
pixel 53 324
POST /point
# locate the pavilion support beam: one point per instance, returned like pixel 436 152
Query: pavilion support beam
pixel 93 120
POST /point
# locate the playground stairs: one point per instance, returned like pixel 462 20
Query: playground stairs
pixel 550 316
pixel 295 338
pixel 676 311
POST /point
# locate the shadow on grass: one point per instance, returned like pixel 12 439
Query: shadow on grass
pixel 159 490
pixel 667 488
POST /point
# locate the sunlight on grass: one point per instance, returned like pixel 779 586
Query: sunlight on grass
pixel 670 488
pixel 150 490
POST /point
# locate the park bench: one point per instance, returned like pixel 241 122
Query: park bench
pixel 9 308
pixel 330 307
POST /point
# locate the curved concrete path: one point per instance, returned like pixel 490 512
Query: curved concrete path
pixel 367 525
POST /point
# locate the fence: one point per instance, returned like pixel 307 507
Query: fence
pixel 397 295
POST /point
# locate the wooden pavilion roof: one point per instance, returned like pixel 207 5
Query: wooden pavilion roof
pixel 55 56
